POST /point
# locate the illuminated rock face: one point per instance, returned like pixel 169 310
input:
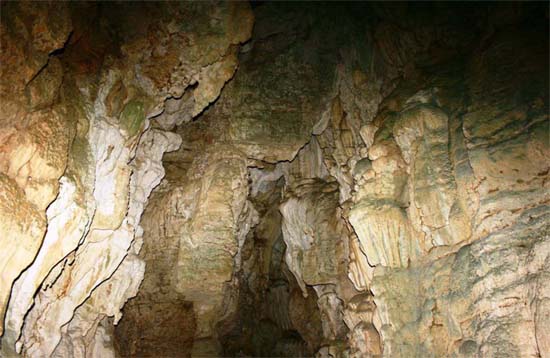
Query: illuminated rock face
pixel 290 180
pixel 450 188
pixel 79 157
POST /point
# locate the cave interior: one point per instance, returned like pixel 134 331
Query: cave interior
pixel 274 179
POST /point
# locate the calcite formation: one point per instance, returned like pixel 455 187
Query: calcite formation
pixel 202 218
pixel 274 179
pixel 79 157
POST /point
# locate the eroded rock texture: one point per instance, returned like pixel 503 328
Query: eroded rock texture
pixel 456 185
pixel 340 180
pixel 80 83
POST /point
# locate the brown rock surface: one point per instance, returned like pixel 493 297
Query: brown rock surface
pixel 78 92
pixel 342 180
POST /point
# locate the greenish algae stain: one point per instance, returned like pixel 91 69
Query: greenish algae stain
pixel 132 117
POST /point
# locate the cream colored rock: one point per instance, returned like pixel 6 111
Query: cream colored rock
pixel 21 230
pixel 378 216
pixel 316 240
pixel 210 81
pixel 312 232
pixel 331 309
pixel 87 134
pixel 308 163
pixel 409 163
pixel 68 223
pixel 101 253
pixel 360 271
pixel 85 336
pixel 201 221
pixel 492 281
pixel 385 234
pixel 422 134
pixel 212 78
pixel 364 339
pixel 209 240
pixel 37 156
pixel 31 162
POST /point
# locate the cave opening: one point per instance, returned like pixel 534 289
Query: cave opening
pixel 274 179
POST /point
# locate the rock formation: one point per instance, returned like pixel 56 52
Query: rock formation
pixel 274 179
pixel 77 141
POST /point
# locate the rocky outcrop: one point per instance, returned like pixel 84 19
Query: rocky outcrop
pixel 195 228
pixel 311 232
pixel 433 173
pixel 316 250
pixel 77 142
pixel 35 134
pixel 440 208
pixel 486 299
pixel 360 180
